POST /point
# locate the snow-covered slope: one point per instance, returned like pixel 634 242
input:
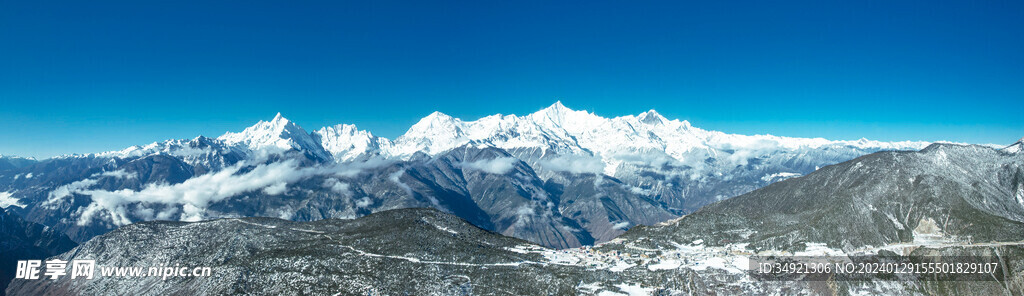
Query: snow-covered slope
pixel 614 140
pixel 345 142
pixel 276 136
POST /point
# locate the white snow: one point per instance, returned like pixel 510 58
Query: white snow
pixel 634 289
pixel 621 266
pixel 590 287
pixel 713 262
pixel 648 138
pixel 573 141
pixel 1020 195
pixel 446 229
pixel 667 264
pixel 119 174
pixel 1015 147
pixel 893 219
pixel 346 142
pixel 778 176
pixel 276 136
pixel 818 249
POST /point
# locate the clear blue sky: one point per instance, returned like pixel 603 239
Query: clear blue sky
pixel 91 76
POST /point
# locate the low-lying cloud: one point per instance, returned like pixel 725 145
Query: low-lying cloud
pixel 573 164
pixel 498 166
pixel 196 194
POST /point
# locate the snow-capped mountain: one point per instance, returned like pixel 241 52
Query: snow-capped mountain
pixel 276 136
pixel 685 166
pixel 558 176
pixel 1015 147
pixel 613 140
pixel 345 142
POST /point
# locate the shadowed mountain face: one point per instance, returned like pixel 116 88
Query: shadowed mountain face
pixel 962 193
pixel 21 240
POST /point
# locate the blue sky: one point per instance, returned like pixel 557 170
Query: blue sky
pixel 91 76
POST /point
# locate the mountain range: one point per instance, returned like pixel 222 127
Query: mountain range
pixel 944 200
pixel 512 205
pixel 557 177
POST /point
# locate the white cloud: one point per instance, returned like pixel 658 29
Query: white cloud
pixel 28 176
pixel 523 215
pixel 637 190
pixel 187 201
pixel 286 214
pixel 778 176
pixel 6 200
pixel 337 186
pixel 120 174
pixel 573 164
pixel 190 152
pixel 652 159
pixel 276 189
pixel 195 194
pixel 498 166
pixel 66 190
pixel 621 225
pixel 746 150
pixel 364 202
pixel 144 212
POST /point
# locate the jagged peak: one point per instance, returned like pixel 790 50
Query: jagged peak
pixel 435 120
pixel 435 124
pixel 651 117
pixel 343 128
pixel 559 116
pixel 437 116
pixel 558 106
pixel 279 123
pixel 555 110
pixel 278 132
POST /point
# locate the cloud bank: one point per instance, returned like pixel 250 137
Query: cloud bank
pixel 573 164
pixel 498 166
pixel 193 196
